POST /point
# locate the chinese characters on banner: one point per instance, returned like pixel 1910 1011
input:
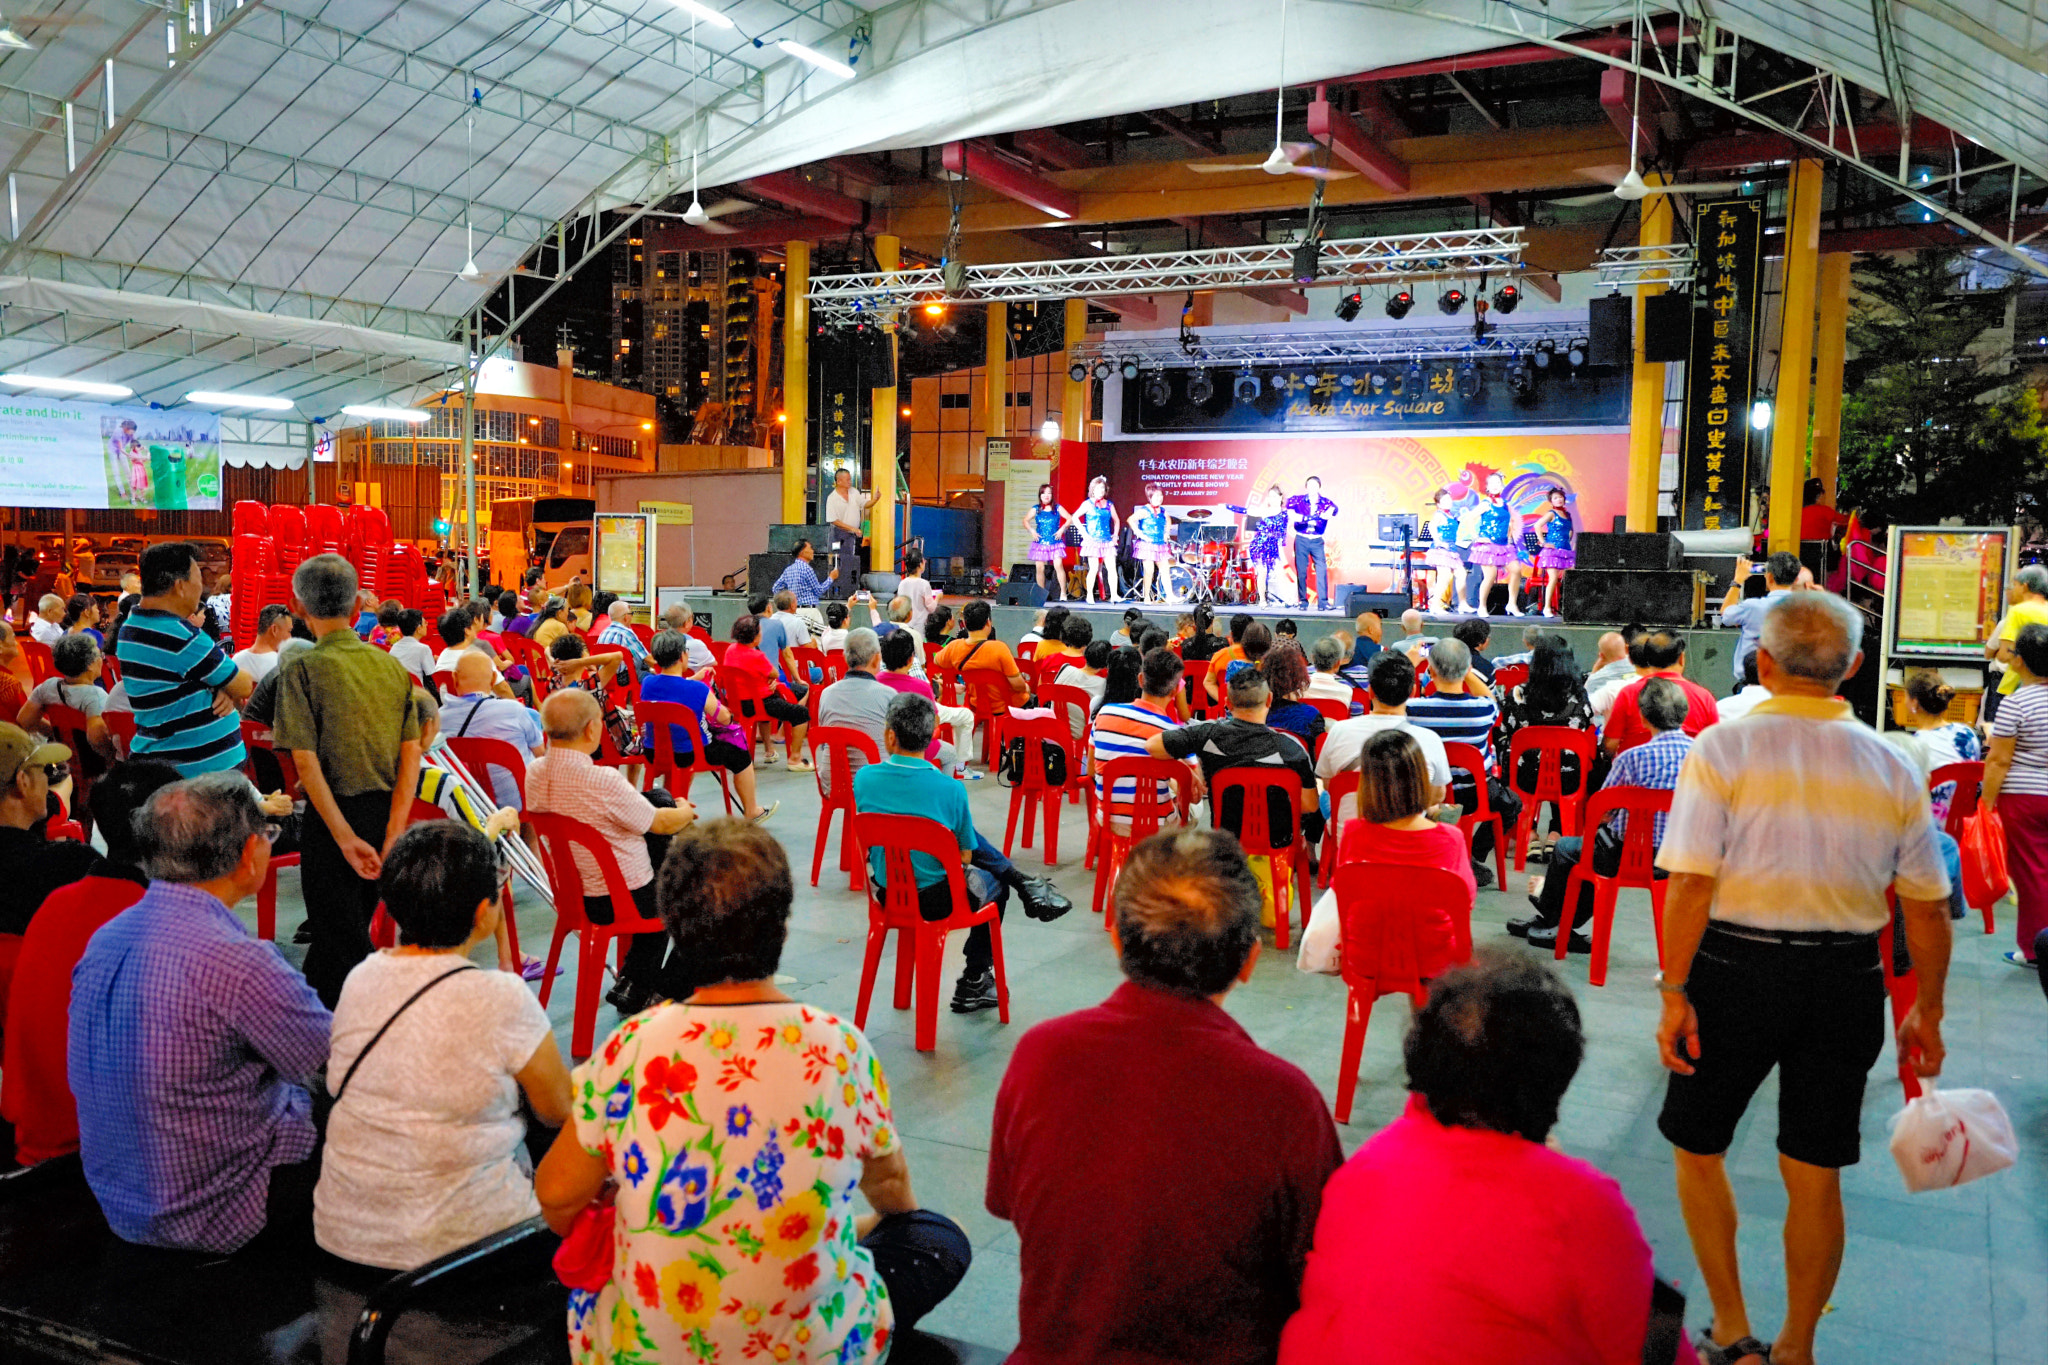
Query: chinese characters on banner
pixel 1720 377
pixel 841 415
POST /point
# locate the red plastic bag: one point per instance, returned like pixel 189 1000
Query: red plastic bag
pixel 1983 843
pixel 584 1260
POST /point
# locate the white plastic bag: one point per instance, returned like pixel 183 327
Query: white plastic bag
pixel 1948 1137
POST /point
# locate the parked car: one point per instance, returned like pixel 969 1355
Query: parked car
pixel 108 566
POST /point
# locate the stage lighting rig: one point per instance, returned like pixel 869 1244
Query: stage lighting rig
pixel 1200 388
pixel 1246 387
pixel 1307 260
pixel 1129 370
pixel 1471 383
pixel 1506 299
pixel 1157 392
pixel 1576 354
pixel 1399 304
pixel 1103 370
pixel 1521 375
pixel 1348 306
pixel 1078 371
pixel 1414 377
pixel 1450 301
pixel 1546 354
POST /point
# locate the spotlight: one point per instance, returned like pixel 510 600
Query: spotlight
pixel 1348 306
pixel 1760 414
pixel 1307 255
pixel 1506 299
pixel 1129 370
pixel 935 309
pixel 1450 301
pixel 1102 369
pixel 1414 379
pixel 1379 381
pixel 1246 389
pixel 1521 376
pixel 1156 391
pixel 1200 388
pixel 1546 352
pixel 1077 371
pixel 1471 383
pixel 1399 304
pixel 1049 429
pixel 1576 354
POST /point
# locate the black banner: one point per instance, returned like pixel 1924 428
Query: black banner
pixel 1720 377
pixel 843 374
pixel 1376 398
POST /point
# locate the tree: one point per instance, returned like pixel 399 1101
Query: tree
pixel 1935 423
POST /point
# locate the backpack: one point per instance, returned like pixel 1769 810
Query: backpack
pixel 1011 771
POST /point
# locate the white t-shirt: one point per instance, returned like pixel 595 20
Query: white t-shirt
pixel 1344 741
pixel 257 666
pixel 843 507
pixel 416 655
pixel 832 639
pixel 44 632
pixel 1737 706
pixel 452 656
pixel 83 698
pixel 922 598
pixel 426 1152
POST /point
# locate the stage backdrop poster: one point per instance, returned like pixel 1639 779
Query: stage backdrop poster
pixel 1368 476
pixel 55 454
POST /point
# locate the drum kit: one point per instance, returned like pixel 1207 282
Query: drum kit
pixel 1211 564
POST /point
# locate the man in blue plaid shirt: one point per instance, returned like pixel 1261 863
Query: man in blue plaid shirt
pixel 1653 765
pixel 801 579
pixel 618 633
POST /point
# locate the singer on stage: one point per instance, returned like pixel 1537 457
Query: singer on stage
pixel 1265 527
pixel 1152 542
pixel 1309 512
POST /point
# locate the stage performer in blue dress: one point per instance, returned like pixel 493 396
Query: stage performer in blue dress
pixel 1310 513
pixel 1446 557
pixel 1267 527
pixel 1492 549
pixel 1152 541
pixel 1557 554
pixel 1098 523
pixel 1048 540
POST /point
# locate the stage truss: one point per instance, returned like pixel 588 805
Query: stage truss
pixel 1335 346
pixel 1624 267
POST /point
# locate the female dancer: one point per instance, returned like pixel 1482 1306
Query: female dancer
pixel 1048 544
pixel 1268 527
pixel 1557 554
pixel 1098 523
pixel 1491 550
pixel 1150 534
pixel 1446 559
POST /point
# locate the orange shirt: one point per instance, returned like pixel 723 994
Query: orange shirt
pixel 993 653
pixel 1219 665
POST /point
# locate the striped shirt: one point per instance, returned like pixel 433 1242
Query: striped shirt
pixel 1804 817
pixel 171 669
pixel 1458 718
pixel 1121 730
pixel 2023 718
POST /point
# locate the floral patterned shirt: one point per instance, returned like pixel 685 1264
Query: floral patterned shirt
pixel 736 1134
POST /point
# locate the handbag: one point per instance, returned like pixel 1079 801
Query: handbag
pixel 585 1258
pixel 1011 771
pixel 1985 880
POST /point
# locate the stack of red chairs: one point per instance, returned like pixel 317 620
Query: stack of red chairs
pixel 259 575
pixel 323 530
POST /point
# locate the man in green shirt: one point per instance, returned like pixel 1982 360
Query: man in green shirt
pixel 345 711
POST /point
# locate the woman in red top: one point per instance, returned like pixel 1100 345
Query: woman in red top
pixel 743 658
pixel 1394 794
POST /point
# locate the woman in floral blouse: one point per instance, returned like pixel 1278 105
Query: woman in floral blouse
pixel 734 1128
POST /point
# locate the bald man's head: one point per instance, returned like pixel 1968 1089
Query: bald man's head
pixel 1187 912
pixel 1411 622
pixel 567 715
pixel 1612 647
pixel 474 673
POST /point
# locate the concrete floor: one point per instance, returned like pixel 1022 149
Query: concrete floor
pixel 1958 1277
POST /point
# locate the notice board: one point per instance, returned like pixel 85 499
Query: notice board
pixel 1948 587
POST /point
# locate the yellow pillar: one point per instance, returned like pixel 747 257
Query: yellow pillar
pixel 1074 392
pixel 1646 392
pixel 1827 380
pixel 995 418
pixel 882 441
pixel 1795 356
pixel 796 381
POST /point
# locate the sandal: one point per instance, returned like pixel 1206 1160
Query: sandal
pixel 1734 1353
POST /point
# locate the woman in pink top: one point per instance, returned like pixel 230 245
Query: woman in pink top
pixel 1456 1236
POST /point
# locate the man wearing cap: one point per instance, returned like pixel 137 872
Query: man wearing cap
pixel 35 865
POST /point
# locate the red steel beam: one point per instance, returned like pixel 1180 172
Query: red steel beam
pixel 674 235
pixel 1609 44
pixel 1910 236
pixel 1353 145
pixel 791 190
pixel 982 166
pixel 1054 149
pixel 1738 150
pixel 1619 98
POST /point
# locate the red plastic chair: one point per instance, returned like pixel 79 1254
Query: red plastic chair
pixel 70 726
pixel 1027 651
pixel 676 776
pixel 1074 709
pixel 1255 832
pixel 740 690
pixel 1330 710
pixel 1035 794
pixel 1473 762
pixel 920 943
pixel 945 684
pixel 480 755
pixel 989 697
pixel 1044 672
pixel 534 660
pixel 1640 807
pixel 809 657
pixel 1900 992
pixel 444 679
pixel 1969 780
pixel 1513 675
pixel 1550 743
pixel 833 746
pixel 121 727
pixel 1379 906
pixel 1193 672
pixel 1148 816
pixel 55 830
pixel 255 736
pixel 835 665
pixel 558 835
pixel 1343 787
pixel 718 648
pixel 41 666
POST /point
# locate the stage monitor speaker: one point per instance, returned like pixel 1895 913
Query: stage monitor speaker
pixel 1389 605
pixel 764 569
pixel 1024 573
pixel 1629 550
pixel 782 538
pixel 1610 330
pixel 882 584
pixel 1667 328
pixel 1657 597
pixel 1016 594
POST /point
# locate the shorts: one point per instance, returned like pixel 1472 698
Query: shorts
pixel 1817 1014
pixel 1097 549
pixel 1148 553
pixel 1046 552
pixel 1550 558
pixel 1449 560
pixel 1490 553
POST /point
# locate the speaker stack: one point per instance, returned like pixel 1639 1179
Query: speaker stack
pixel 1389 605
pixel 1631 576
pixel 1016 594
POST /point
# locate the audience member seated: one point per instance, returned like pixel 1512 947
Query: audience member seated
pixel 191 1041
pixel 1252 647
pixel 457 629
pixel 742 657
pixel 425 1144
pixel 1530 635
pixel 1462 711
pixel 1286 669
pixel 411 648
pixel 735 1126
pixel 1657 653
pixel 577 669
pixel 262 704
pixel 1221 660
pixel 1558 1273
pixel 13 673
pixel 1930 736
pixel 1653 765
pixel 618 633
pixel 581 603
pixel 900 660
pixel 1744 701
pixel 1199 1258
pixel 1202 642
pixel 1087 674
pixel 471 711
pixel 1327 683
pixel 835 627
pixel 35 865
pixel 46 627
pixel 938 627
pixel 550 623
pixel 78 662
pixel 725 745
pixel 1052 635
pixel 35 1091
pixel 1553 695
pixel 1035 633
pixel 1393 683
pixel 1395 795
pixel 1611 669
pixel 566 781
pixel 1474 633
pixel 1124 725
pixel 979 651
pixel 681 620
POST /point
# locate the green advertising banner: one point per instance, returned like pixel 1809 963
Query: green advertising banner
pixel 58 454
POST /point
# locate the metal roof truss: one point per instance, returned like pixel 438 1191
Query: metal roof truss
pixel 1350 346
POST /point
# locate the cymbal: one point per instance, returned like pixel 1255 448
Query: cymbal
pixel 1198 514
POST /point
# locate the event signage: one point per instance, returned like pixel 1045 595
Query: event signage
pixel 92 455
pixel 1390 397
pixel 1720 375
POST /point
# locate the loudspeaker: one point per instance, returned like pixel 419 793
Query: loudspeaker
pixel 1610 330
pixel 1667 328
pixel 1015 594
pixel 1629 550
pixel 782 538
pixel 1389 605
pixel 1661 597
pixel 1023 573
pixel 764 569
pixel 882 583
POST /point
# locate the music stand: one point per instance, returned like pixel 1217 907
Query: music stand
pixel 1403 525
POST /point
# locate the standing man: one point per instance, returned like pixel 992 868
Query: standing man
pixel 1781 574
pixel 1785 834
pixel 182 687
pixel 844 508
pixel 344 709
pixel 1308 514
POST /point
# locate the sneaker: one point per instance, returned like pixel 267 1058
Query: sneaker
pixel 2019 959
pixel 974 993
pixel 1546 937
pixel 1520 927
pixel 1482 874
pixel 1042 900
pixel 760 817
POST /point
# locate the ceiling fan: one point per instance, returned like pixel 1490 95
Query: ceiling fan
pixel 1286 156
pixel 10 29
pixel 1630 185
pixel 697 215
